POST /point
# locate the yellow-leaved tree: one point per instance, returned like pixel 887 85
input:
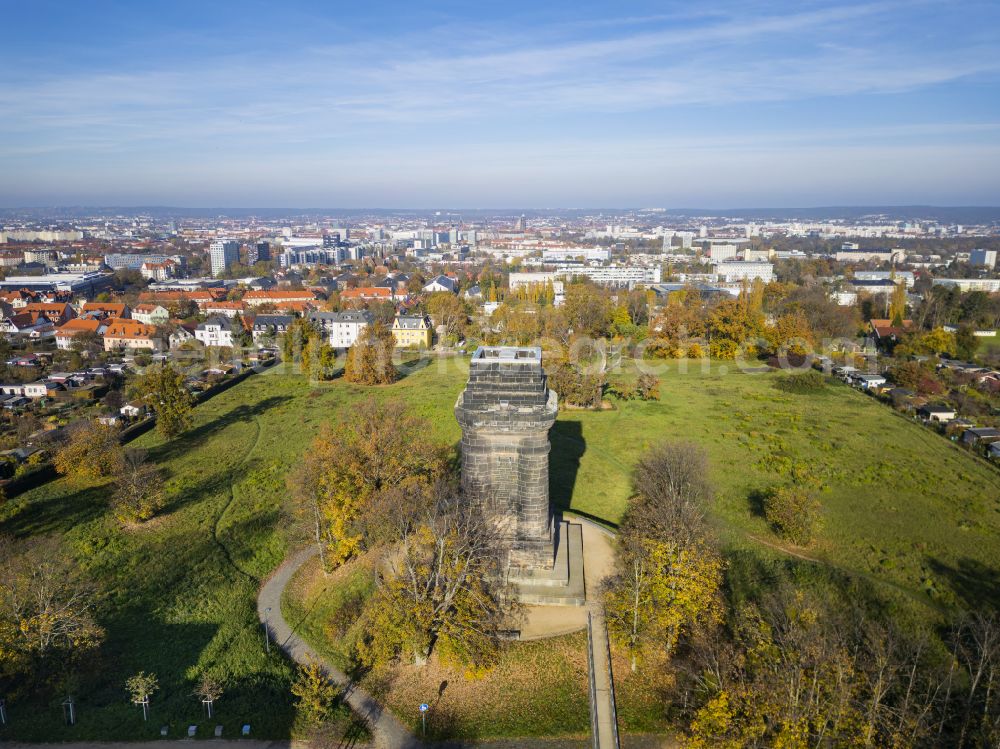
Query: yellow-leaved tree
pixel 374 452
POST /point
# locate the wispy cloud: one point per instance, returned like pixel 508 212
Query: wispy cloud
pixel 477 84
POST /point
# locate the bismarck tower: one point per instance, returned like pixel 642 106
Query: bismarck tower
pixel 505 412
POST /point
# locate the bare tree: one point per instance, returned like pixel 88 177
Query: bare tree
pixel 46 607
pixel 672 493
pixel 209 689
pixel 444 586
pixel 138 490
pixel 976 643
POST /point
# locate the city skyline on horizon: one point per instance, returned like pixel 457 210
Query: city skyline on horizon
pixel 804 105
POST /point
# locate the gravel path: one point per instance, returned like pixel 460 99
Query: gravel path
pixel 387 731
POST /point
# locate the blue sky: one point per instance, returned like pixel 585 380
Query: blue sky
pixel 488 104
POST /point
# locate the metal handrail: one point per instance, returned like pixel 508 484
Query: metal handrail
pixel 593 682
pixel 611 685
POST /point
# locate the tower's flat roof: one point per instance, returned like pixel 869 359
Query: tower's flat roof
pixel 526 354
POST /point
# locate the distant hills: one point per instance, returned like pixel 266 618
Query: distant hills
pixel 972 215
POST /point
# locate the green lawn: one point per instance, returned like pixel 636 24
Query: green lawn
pixel 537 688
pixel 989 345
pixel 900 503
pixel 179 594
pixel 906 513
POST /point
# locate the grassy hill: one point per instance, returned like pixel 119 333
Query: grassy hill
pixel 904 510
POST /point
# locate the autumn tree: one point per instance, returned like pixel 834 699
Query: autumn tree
pixel 731 324
pixel 87 343
pixel 575 386
pixel 315 692
pixel 376 448
pixel 897 304
pixel 671 493
pixel 138 490
pixel 647 387
pixel 46 608
pixel 794 512
pixel 208 690
pixel 790 334
pixel 667 574
pixel 92 450
pixel 661 589
pixel 936 342
pixel 161 387
pixel 444 589
pixel 369 360
pixel 588 309
pixel 792 670
pixel 448 310
pixel 140 688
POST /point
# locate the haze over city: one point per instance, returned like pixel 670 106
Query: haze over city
pixel 515 104
pixel 506 375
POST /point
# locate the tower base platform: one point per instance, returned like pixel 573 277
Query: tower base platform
pixel 561 585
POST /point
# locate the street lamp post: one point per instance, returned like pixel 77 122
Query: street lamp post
pixel 267 631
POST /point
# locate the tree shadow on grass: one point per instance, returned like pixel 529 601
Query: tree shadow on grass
pixel 412 365
pixel 58 511
pixel 756 499
pixel 199 435
pixel 975 585
pixel 753 576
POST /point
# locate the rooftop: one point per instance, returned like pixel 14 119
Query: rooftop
pixel 511 354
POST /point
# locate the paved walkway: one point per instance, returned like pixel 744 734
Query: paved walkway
pixel 607 733
pixel 387 731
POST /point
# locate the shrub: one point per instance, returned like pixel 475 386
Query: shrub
pixel 647 387
pixel 793 512
pixel 622 390
pixel 804 382
pixel 574 387
pixel 695 351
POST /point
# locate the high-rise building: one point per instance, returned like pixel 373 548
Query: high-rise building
pixel 258 252
pixel 522 224
pixel 987 258
pixel 223 253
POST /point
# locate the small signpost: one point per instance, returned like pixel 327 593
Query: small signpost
pixel 424 707
pixel 267 632
pixel 69 711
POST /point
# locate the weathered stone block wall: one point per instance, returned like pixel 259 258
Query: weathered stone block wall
pixel 505 413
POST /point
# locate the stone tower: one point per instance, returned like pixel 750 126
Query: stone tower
pixel 505 412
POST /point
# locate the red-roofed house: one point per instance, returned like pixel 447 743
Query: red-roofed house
pixel 65 333
pixel 106 309
pixel 56 312
pixel 130 334
pixel 367 293
pixel 256 298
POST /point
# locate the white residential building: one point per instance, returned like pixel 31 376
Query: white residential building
pixel 987 258
pixel 223 253
pixel 541 279
pixel 587 254
pixel 855 255
pixel 989 285
pixel 722 252
pixel 215 331
pixel 150 314
pixel 886 275
pixel 342 328
pixel 624 276
pixel 739 270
